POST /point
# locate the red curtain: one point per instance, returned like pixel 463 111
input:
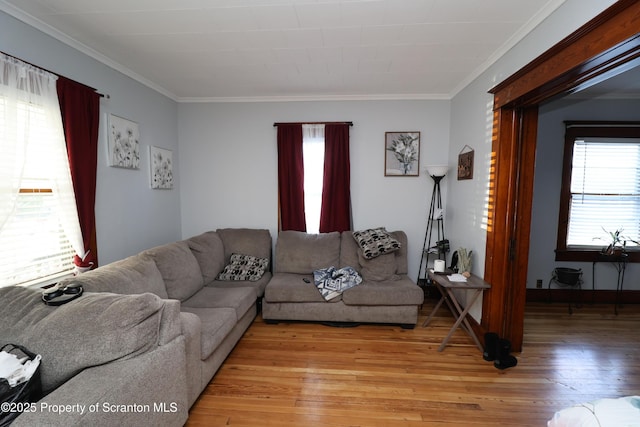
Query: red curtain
pixel 335 214
pixel 80 108
pixel 291 177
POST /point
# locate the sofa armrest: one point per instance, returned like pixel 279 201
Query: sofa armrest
pixel 147 390
pixel 192 329
pixel 170 324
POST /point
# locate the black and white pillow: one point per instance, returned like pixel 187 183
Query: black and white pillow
pixel 244 267
pixel 375 242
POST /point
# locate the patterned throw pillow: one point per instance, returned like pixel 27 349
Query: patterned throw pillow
pixel 375 242
pixel 244 267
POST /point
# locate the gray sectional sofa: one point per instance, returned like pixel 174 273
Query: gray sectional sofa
pixel 107 359
pixel 197 320
pixel 151 330
pixel 386 294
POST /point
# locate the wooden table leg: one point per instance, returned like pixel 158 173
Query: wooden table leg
pixel 460 318
pixel 433 312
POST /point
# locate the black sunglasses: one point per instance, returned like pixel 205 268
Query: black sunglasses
pixel 57 295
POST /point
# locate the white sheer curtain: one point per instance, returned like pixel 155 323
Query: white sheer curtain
pixel 33 151
pixel 313 159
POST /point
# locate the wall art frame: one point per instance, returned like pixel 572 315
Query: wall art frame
pixel 465 163
pixel 123 143
pixel 402 153
pixel 160 168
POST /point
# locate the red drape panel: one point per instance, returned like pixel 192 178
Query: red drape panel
pixel 335 214
pixel 291 178
pixel 80 108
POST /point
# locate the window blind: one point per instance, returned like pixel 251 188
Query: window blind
pixel 605 190
pixel 33 245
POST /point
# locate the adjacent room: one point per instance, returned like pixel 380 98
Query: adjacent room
pixel 323 213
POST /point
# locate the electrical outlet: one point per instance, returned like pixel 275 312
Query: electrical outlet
pixel 539 283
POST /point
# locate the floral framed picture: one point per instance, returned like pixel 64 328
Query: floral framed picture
pixel 161 163
pixel 124 143
pixel 402 153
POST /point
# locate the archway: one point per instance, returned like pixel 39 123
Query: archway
pixel 603 47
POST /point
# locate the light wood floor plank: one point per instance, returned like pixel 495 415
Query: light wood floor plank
pixel 303 374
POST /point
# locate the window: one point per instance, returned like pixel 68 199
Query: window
pixel 314 163
pixel 313 157
pixel 600 189
pixel 39 228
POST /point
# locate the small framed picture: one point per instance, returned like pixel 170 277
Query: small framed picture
pixel 402 153
pixel 161 163
pixel 465 163
pixel 124 143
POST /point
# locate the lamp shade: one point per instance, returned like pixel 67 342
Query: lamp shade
pixel 437 170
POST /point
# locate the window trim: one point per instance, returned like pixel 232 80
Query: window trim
pixel 575 129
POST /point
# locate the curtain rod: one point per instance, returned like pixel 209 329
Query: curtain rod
pixel 102 95
pixel 314 123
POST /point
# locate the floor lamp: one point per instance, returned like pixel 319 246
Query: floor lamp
pixel 434 219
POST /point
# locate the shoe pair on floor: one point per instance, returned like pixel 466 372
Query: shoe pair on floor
pixel 497 350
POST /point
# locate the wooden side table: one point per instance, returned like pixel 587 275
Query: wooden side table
pixel 446 289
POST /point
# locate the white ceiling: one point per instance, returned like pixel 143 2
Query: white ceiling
pixel 291 49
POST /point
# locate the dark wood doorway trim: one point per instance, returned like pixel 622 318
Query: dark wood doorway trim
pixel 605 46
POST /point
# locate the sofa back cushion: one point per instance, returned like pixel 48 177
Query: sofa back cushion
pixel 402 262
pixel 95 329
pixel 302 253
pixel 209 251
pixel 245 241
pixel 379 269
pixel 133 275
pixel 179 268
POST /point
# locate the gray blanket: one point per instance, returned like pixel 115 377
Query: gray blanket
pixel 331 282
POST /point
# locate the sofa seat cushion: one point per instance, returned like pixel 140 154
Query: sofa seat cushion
pixel 215 325
pixel 289 287
pixel 239 299
pixel 209 252
pixel 258 285
pixel 95 329
pixel 302 253
pixel 392 292
pixel 134 275
pixel 179 268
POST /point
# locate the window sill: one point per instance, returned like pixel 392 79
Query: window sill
pixel 586 255
pixel 48 281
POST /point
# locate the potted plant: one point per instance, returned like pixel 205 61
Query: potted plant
pixel 617 242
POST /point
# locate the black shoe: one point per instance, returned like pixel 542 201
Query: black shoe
pixel 503 359
pixel 490 346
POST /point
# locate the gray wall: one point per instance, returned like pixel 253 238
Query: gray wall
pixel 130 216
pixel 225 162
pixel 471 124
pixel 229 163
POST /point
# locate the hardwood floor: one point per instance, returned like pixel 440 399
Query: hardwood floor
pixel 300 374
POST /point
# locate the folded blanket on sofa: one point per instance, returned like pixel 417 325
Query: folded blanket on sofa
pixel 331 282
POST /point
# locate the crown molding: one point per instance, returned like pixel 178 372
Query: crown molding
pixel 536 20
pixel 319 98
pixel 62 37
